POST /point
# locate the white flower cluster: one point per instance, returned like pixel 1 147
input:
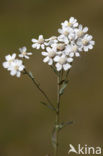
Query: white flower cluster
pixel 57 50
pixel 60 50
pixel 14 65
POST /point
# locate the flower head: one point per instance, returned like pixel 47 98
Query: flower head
pixel 71 23
pixel 72 50
pixel 16 68
pixel 24 53
pixel 39 43
pixel 51 40
pixel 86 43
pixel 80 31
pixel 49 55
pixel 9 59
pixel 63 62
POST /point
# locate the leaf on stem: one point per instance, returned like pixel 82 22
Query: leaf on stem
pixel 64 124
pixel 31 75
pixel 64 85
pixel 54 137
pixel 48 106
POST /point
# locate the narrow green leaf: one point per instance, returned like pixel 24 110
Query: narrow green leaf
pixel 48 106
pixel 64 85
pixel 64 124
pixel 30 73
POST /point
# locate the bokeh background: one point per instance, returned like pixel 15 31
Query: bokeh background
pixel 26 125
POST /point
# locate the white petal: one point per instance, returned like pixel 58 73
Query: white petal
pixel 13 56
pixel 18 74
pixel 71 54
pixel 75 25
pixel 60 31
pixel 8 57
pixel 34 45
pixel 13 72
pixel 77 54
pixel 58 66
pixel 90 46
pixel 69 59
pixel 38 46
pixel 66 66
pixel 48 49
pixel 46 59
pixel 21 55
pixel 42 46
pixel 50 62
pixel 40 37
pixel 44 53
pixel 56 58
pixel 85 29
pixel 85 48
pixel 90 37
pixel 27 57
pixel 34 40
pixel 21 67
pixel 5 64
pixel 71 19
pixel 29 53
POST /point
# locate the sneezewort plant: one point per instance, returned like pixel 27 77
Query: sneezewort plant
pixel 59 52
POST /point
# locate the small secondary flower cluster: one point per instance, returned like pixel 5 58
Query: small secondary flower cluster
pixel 14 65
pixel 58 51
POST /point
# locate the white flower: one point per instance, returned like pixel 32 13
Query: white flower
pixel 51 40
pixel 81 31
pixel 72 50
pixel 9 60
pixel 49 55
pixel 60 47
pixel 86 43
pixel 67 34
pixel 40 43
pixel 16 68
pixel 71 23
pixel 24 53
pixel 63 62
pixel 63 38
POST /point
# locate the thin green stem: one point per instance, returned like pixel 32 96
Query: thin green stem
pixel 57 116
pixel 39 88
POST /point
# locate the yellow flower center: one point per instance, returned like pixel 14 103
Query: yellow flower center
pixel 74 48
pixel 66 33
pixel 51 54
pixel 10 60
pixel 85 42
pixel 62 60
pixel 60 46
pixel 16 67
pixel 69 24
pixel 24 53
pixel 80 33
pixel 41 41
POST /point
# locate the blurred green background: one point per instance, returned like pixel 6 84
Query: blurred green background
pixel 26 125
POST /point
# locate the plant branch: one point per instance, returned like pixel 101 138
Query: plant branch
pixel 39 88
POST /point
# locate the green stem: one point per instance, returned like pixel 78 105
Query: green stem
pixel 57 115
pixel 38 86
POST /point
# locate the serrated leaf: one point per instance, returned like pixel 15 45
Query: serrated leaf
pixel 65 83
